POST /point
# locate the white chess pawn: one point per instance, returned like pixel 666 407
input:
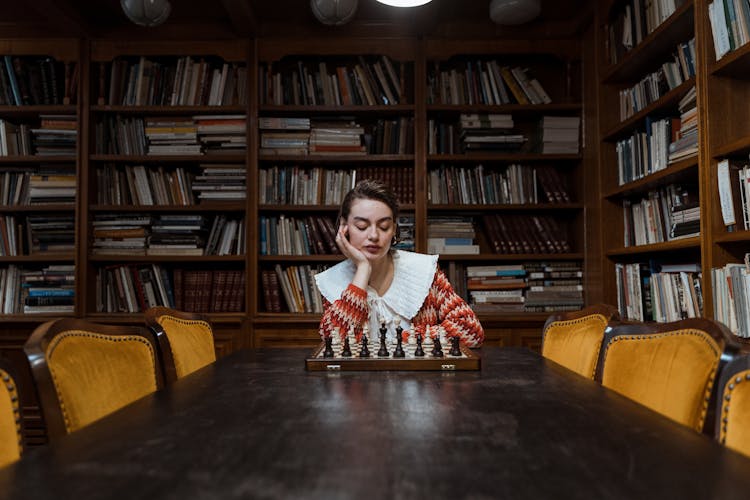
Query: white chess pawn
pixel 336 337
pixel 427 340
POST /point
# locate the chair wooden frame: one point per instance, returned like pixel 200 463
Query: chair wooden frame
pixel 165 349
pixel 606 310
pixel 721 334
pixel 11 384
pixel 736 365
pixel 36 348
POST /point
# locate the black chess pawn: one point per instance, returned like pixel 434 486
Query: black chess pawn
pixel 364 352
pixel 328 352
pixel 399 351
pixel 383 351
pixel 347 350
pixel 419 352
pixel 437 349
pixel 455 349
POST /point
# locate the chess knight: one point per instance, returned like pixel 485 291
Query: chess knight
pixel 377 284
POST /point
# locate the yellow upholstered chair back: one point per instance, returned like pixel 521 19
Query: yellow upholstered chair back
pixel 186 341
pixel 85 371
pixel 668 367
pixel 11 436
pixel 573 339
pixel 733 415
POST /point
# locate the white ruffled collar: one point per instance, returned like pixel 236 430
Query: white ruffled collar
pixel 413 274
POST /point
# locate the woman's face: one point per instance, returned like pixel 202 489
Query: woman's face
pixel 371 228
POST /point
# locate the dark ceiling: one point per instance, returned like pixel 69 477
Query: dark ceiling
pixel 267 18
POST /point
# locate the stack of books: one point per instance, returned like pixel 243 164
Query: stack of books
pixel 116 234
pixel 560 134
pixel 177 234
pixel 488 132
pixel 685 141
pixel 284 136
pixel 49 290
pixel 451 235
pixel 336 137
pixel 554 286
pixel 50 184
pixel 496 288
pixel 56 136
pixel 50 233
pixel 222 134
pixel 219 181
pixel 172 136
pixel 405 235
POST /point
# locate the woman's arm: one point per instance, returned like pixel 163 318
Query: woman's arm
pixel 445 310
pixel 350 310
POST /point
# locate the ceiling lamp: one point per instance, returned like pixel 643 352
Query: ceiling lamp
pixel 334 12
pixel 146 12
pixel 404 3
pixel 512 12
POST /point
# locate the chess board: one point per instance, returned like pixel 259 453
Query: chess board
pixel 468 360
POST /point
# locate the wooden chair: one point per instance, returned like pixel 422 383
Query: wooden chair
pixel 668 367
pixel 573 339
pixel 11 424
pixel 186 341
pixel 733 405
pixel 85 371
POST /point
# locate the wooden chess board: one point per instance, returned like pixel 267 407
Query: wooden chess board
pixel 469 360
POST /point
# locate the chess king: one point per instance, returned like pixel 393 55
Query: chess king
pixel 377 284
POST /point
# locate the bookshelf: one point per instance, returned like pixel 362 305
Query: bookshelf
pixel 47 90
pixel 149 229
pixel 119 178
pixel 726 87
pixel 646 188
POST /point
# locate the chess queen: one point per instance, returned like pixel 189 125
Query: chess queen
pixel 378 284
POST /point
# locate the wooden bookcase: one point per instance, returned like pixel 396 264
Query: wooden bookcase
pixel 563 79
pixel 655 48
pixel 726 89
pixel 17 326
pixel 229 328
pixel 556 62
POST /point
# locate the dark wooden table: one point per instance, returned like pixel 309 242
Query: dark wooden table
pixel 256 425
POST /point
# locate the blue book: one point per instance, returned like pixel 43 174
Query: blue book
pixel 263 236
pixel 13 82
pixel 50 292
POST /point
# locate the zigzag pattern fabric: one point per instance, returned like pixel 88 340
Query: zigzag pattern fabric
pixel 443 312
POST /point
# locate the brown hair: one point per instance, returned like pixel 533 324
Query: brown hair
pixel 370 189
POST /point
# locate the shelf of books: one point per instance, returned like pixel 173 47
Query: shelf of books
pixel 166 187
pixel 503 178
pixel 39 197
pixel 650 167
pixel 324 122
pixel 727 25
pixel 39 131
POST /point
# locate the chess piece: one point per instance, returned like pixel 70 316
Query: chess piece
pixel 437 349
pixel 419 352
pixel 365 351
pixel 383 351
pixel 346 351
pixel 328 352
pixel 455 349
pixel 399 352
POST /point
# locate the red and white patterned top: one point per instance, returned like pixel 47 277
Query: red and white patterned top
pixel 420 298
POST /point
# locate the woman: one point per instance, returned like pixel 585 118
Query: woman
pixel 377 285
